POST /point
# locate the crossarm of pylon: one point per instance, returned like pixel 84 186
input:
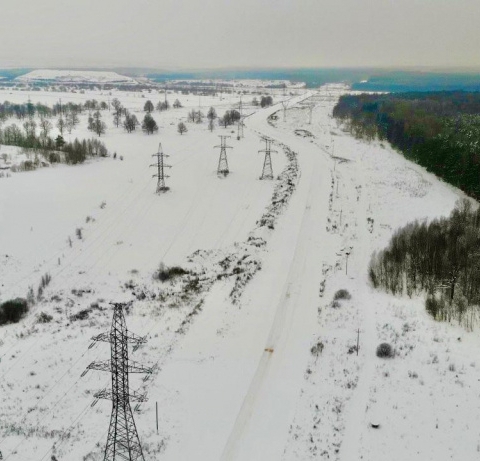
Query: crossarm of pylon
pixel 105 337
pixel 132 338
pixel 100 366
pixel 103 394
pixel 135 367
pixel 108 395
pixel 137 397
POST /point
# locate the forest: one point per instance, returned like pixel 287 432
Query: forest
pixel 438 130
pixel 440 259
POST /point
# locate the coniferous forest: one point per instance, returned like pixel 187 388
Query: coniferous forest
pixel 438 130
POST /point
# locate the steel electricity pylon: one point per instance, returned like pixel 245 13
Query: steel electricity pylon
pixel 160 169
pixel 122 441
pixel 267 172
pixel 240 129
pixel 222 160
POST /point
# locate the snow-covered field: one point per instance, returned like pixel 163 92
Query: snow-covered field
pixel 235 376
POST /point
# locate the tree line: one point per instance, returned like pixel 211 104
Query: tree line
pixel 54 150
pixel 441 259
pixel 438 130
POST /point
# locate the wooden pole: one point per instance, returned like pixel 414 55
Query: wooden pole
pixel 358 339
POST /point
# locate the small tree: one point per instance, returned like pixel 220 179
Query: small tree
pixel 182 128
pixel 59 142
pixel 163 105
pixel 130 124
pixel 149 125
pixel 148 107
pixel 211 114
pixel 46 127
pixel 266 101
pixel 177 104
pixel 72 120
pixel 96 124
pixel 61 125
pixel 117 105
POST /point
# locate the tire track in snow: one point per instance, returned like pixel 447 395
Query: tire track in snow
pixel 358 405
pixel 262 423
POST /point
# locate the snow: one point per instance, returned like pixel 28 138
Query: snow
pixel 235 377
pixel 75 76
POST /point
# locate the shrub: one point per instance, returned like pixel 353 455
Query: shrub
pixel 30 296
pixel 81 315
pixel 384 350
pixel 166 273
pixel 13 310
pixel 44 318
pixel 434 306
pixel 46 279
pixel 342 294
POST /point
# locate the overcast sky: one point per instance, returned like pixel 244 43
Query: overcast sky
pixel 174 34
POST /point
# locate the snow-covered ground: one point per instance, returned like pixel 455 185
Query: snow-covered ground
pixel 76 76
pixel 235 377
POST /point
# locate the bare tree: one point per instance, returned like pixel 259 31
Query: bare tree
pixel 46 127
pixel 61 125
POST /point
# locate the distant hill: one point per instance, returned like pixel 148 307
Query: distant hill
pixel 76 76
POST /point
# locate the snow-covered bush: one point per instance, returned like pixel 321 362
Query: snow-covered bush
pixel 342 294
pixel 44 318
pixel 164 273
pixel 384 350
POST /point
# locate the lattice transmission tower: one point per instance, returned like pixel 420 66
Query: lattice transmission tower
pixel 240 129
pixel 240 121
pixel 222 160
pixel 267 172
pixel 122 441
pixel 161 165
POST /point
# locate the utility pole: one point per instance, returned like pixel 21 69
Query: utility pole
pixel 222 160
pixel 358 340
pixel 160 170
pixel 267 172
pixel 285 106
pixel 310 111
pixel 123 443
